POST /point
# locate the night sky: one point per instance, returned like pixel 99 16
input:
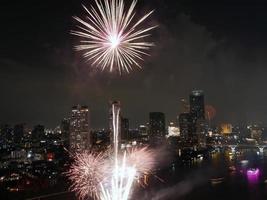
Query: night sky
pixel 220 47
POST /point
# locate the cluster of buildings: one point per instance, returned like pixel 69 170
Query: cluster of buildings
pixel 41 152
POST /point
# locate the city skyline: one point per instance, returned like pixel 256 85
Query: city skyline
pixel 133 99
pixel 135 123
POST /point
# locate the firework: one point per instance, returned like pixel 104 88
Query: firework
pixel 107 175
pixel 111 37
pixel 102 177
pixel 121 182
pixel 142 159
pixel 87 172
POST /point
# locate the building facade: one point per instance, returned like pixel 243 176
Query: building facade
pixel 79 129
pixel 125 126
pixel 156 127
pixel 186 126
pixel 197 106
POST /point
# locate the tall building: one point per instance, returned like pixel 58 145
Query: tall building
pixel 173 131
pixel 156 127
pixel 65 131
pixel 79 129
pixel 115 110
pixel 125 135
pixel 202 132
pixel 197 106
pixel 143 133
pixel 186 126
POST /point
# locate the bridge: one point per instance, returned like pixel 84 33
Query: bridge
pixel 233 148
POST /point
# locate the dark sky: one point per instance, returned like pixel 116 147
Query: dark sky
pixel 217 46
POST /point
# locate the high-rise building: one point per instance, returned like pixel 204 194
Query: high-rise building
pixel 197 106
pixel 256 132
pixel 79 129
pixel 202 132
pixel 173 131
pixel 156 127
pixel 143 133
pixel 125 135
pixel 115 110
pixel 186 126
pixel 65 131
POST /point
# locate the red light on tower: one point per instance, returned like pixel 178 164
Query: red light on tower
pixel 50 156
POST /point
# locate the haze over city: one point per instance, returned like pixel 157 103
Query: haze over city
pixel 218 47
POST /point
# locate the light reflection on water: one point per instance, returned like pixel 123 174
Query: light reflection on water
pixel 253 175
pixel 224 175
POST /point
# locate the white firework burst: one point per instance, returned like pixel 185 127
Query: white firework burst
pixel 111 37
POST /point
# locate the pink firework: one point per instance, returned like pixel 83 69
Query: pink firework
pixel 142 159
pixel 112 36
pixel 91 171
pixel 87 172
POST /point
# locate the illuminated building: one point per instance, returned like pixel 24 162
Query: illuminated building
pixel 186 125
pixel 201 132
pixel 226 129
pixel 256 132
pixel 197 107
pixel 156 127
pixel 115 106
pixel 79 129
pixel 143 132
pixel 173 131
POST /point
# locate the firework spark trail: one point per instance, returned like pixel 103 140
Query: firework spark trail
pixel 142 159
pixel 111 38
pixel 121 182
pixel 95 175
pixel 122 175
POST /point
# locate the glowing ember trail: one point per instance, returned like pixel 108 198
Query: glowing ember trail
pixel 111 37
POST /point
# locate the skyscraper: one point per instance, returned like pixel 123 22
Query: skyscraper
pixel 115 110
pixel 197 107
pixel 65 131
pixel 156 127
pixel 125 136
pixel 186 125
pixel 79 129
pixel 143 132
